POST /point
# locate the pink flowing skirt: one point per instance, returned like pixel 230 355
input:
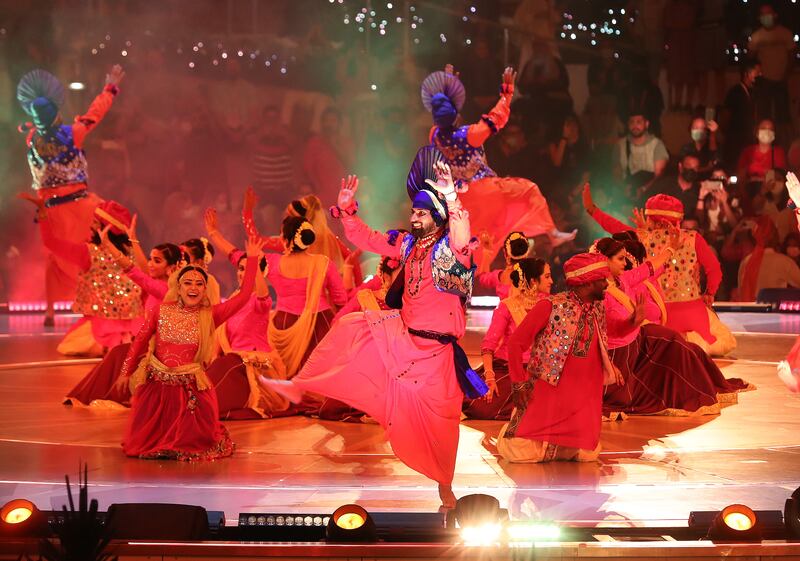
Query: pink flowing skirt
pixel 407 384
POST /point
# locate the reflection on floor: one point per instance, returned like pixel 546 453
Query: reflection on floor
pixel 653 470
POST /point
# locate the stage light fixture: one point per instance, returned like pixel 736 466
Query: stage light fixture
pixel 735 523
pixel 282 526
pixel 20 517
pixel 479 519
pixel 351 523
pixel 791 516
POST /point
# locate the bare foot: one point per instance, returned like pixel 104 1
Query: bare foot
pixel 557 238
pixel 447 496
pixel 286 388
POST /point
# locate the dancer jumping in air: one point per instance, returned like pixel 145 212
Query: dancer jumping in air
pixel 404 367
pixel 59 169
pixel 496 204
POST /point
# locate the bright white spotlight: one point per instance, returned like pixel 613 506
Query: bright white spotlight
pixel 531 532
pixel 77 86
pixel 483 535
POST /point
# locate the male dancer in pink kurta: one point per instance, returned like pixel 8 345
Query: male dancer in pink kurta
pixel 403 367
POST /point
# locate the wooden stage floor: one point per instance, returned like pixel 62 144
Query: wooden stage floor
pixel 653 470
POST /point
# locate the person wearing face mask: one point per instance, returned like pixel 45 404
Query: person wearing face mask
pixel 703 145
pixel 774 46
pixel 174 410
pixel 759 158
pixel 685 186
pixel 59 169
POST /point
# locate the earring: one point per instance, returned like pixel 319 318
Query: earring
pixel 535 287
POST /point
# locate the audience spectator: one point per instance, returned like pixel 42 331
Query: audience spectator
pixel 684 185
pixel 648 28
pixel 328 156
pixel 716 215
pixel 757 159
pixel 791 246
pixel 703 145
pixel 737 246
pixel 639 158
pixel 739 113
pixel 710 56
pixel 680 21
pixel 773 45
pixel 765 267
pixel 638 94
pixel 568 159
pixel 274 178
pixel 511 153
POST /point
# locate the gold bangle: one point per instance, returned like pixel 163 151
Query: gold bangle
pixel 134 241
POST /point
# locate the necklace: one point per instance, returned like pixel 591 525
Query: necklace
pixel 417 262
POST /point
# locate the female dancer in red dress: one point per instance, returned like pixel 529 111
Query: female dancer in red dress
pixel 244 340
pixel 515 247
pixel 663 373
pixel 98 387
pixel 174 411
pixel 497 205
pixel 59 169
pixel 531 280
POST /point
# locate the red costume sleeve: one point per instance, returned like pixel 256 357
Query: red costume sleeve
pixel 710 264
pixel 497 329
pixel 358 274
pixel 609 223
pixel 222 312
pixel 353 305
pixel 335 286
pixel 273 243
pixel 84 124
pixel 76 253
pixel 490 279
pixel 523 337
pixel 153 287
pixel 492 121
pixel 140 343
pixel 363 237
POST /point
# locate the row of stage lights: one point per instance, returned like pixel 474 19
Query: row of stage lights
pixel 477 520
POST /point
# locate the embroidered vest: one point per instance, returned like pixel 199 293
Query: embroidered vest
pixel 564 335
pixel 449 275
pixel 105 291
pixel 54 159
pixel 681 278
pixel 467 162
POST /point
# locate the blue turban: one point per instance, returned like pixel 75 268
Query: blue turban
pixel 443 110
pixel 428 200
pixel 44 112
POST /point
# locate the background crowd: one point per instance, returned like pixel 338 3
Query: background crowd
pixel 681 97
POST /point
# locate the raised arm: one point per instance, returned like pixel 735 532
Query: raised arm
pixel 356 231
pixel 154 287
pixel 216 237
pixel 498 116
pixel 460 237
pixel 606 222
pixel 222 312
pixel 85 123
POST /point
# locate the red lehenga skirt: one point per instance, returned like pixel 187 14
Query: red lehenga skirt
pixel 98 385
pixel 666 375
pixel 175 420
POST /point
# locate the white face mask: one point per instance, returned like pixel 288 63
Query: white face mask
pixel 766 136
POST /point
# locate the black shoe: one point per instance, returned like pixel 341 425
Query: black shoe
pixel 49 321
pixel 67 402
